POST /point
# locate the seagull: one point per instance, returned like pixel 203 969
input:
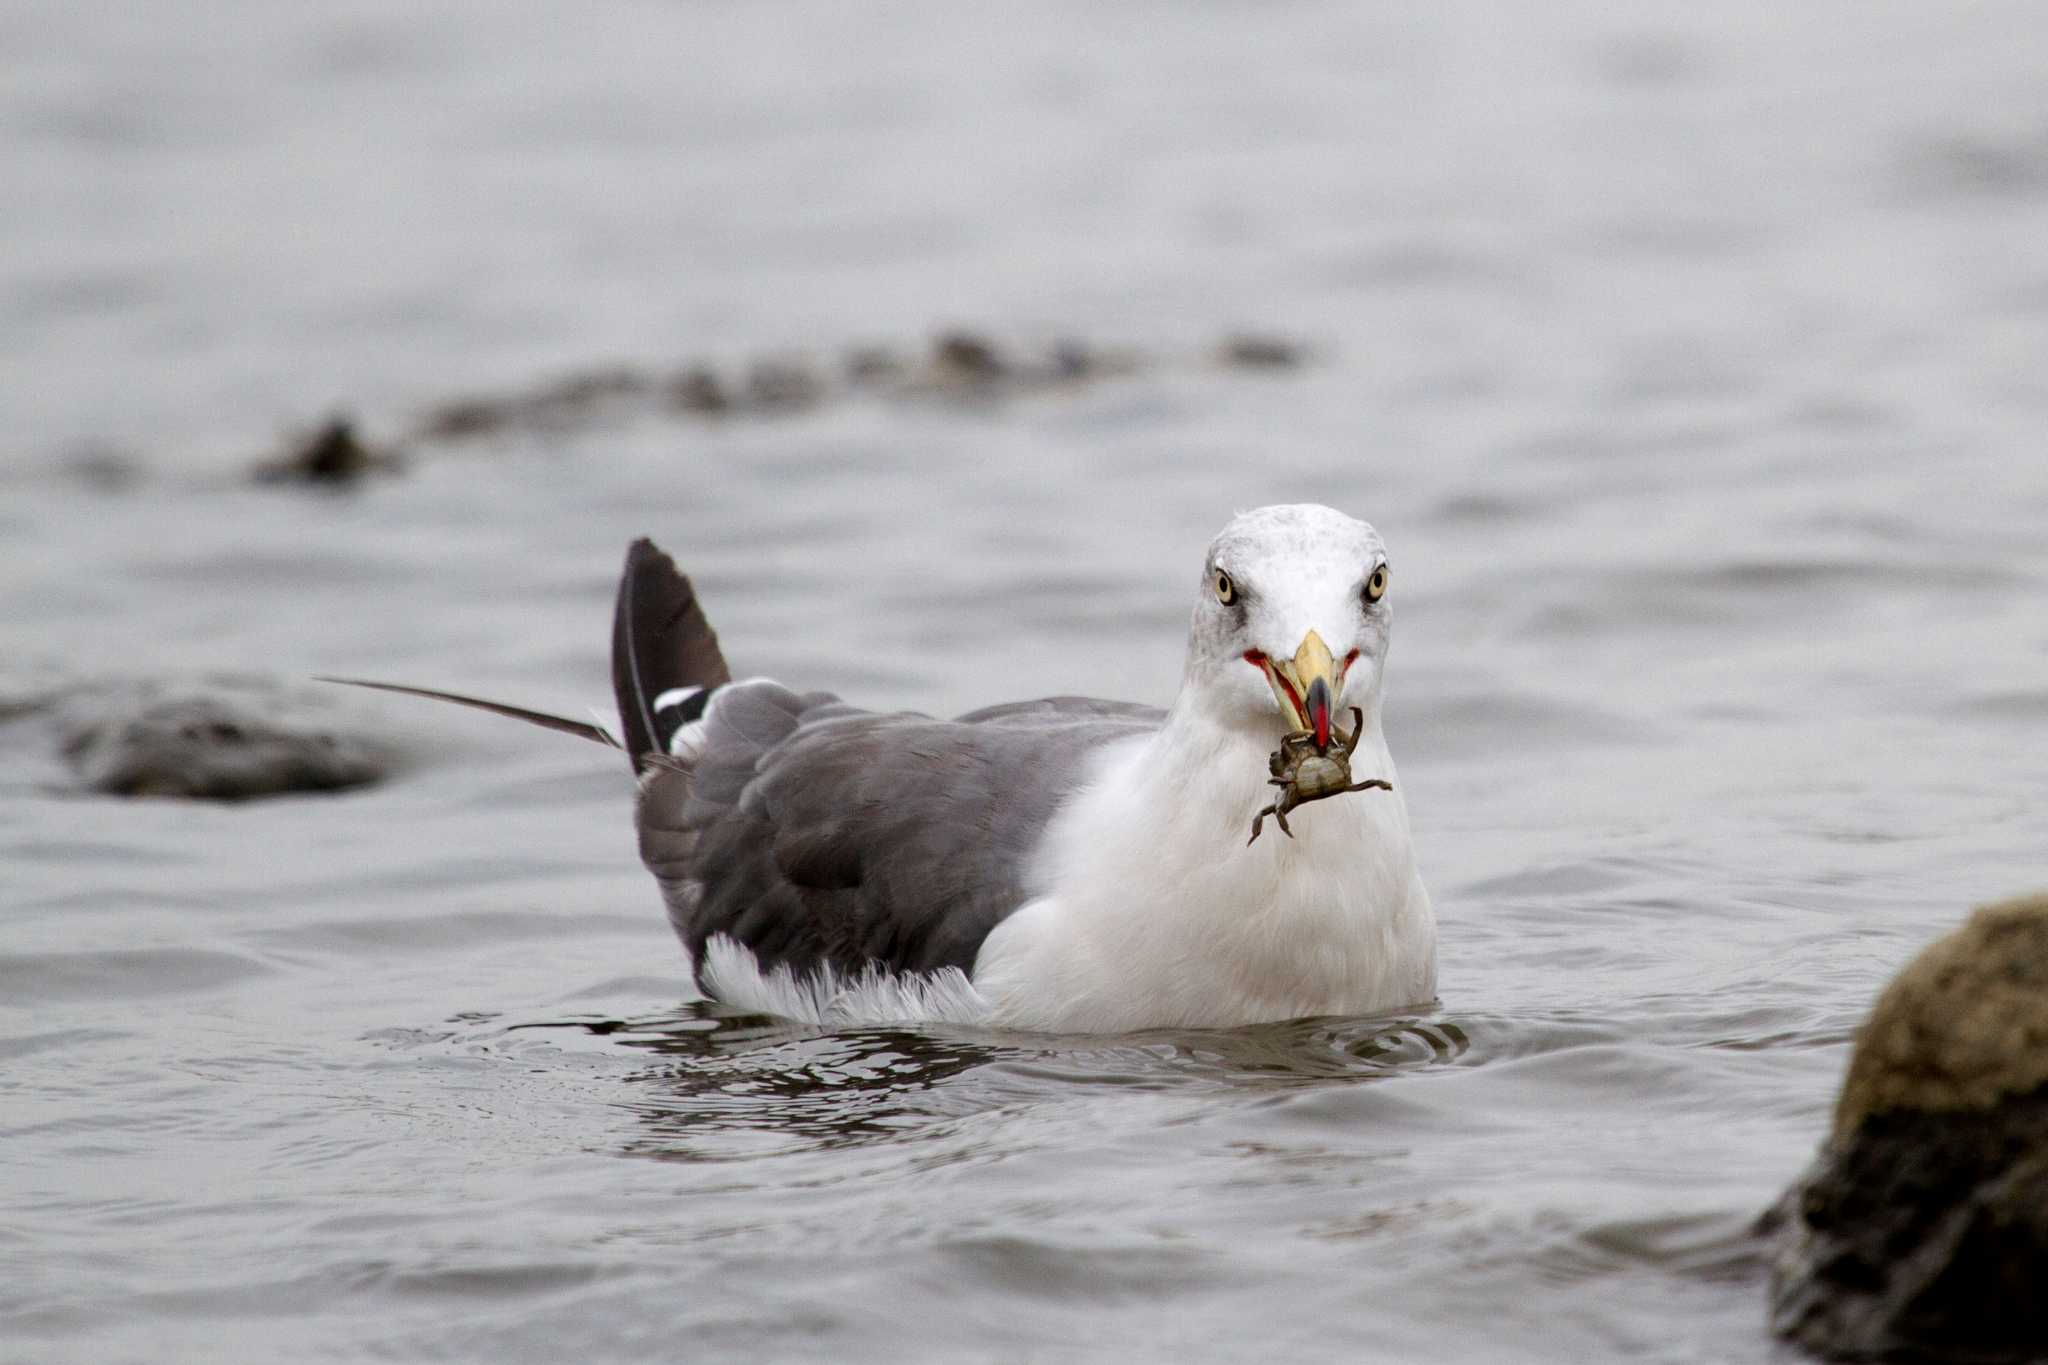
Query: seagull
pixel 1066 865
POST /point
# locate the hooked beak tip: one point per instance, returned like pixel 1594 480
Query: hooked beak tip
pixel 1318 700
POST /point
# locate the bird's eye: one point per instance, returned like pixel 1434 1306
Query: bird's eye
pixel 1376 586
pixel 1226 591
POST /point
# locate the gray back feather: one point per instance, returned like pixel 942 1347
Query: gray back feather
pixel 813 832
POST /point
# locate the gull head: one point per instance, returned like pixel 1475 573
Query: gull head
pixel 1291 622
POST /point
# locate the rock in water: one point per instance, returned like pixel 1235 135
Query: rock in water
pixel 1921 1230
pixel 1259 352
pixel 225 740
pixel 334 454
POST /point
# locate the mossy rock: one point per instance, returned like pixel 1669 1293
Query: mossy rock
pixel 1921 1230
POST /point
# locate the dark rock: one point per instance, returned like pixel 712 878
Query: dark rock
pixel 1253 351
pixel 961 364
pixel 334 454
pixel 963 357
pixel 1073 359
pixel 575 400
pixel 570 401
pixel 578 395
pixel 231 740
pixel 697 390
pixel 1921 1230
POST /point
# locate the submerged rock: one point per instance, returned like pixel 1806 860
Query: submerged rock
pixel 575 395
pixel 697 389
pixel 874 365
pixel 780 383
pixel 27 687
pixel 562 404
pixel 965 358
pixel 960 365
pixel 969 365
pixel 1258 351
pixel 105 468
pixel 1921 1230
pixel 218 739
pixel 463 418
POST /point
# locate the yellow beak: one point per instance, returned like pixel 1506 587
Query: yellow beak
pixel 1306 687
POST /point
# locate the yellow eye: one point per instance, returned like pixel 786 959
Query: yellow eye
pixel 1376 586
pixel 1226 591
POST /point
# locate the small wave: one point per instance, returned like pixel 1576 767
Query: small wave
pixel 120 974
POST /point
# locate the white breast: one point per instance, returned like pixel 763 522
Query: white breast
pixel 1155 913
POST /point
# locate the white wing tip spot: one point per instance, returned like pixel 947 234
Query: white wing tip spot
pixel 675 696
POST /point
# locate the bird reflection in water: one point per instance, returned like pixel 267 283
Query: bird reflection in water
pixel 724 1086
pixel 727 1086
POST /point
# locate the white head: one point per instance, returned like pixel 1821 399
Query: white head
pixel 1291 622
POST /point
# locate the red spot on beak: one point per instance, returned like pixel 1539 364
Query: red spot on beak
pixel 1319 712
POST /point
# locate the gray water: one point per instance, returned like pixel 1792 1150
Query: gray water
pixel 1690 358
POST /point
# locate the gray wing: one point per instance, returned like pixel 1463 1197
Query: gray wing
pixel 816 833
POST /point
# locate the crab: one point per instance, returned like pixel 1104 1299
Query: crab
pixel 1304 773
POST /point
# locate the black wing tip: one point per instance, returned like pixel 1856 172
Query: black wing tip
pixel 661 642
pixel 643 553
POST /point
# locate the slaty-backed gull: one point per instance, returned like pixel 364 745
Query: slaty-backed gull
pixel 1068 864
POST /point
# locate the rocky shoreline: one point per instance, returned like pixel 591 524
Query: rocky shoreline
pixel 957 366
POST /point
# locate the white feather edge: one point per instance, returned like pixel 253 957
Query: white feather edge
pixel 732 975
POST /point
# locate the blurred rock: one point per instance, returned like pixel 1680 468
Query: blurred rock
pixel 965 358
pixel 783 383
pixel 578 400
pixel 464 418
pixel 573 400
pixel 1076 360
pixel 1073 358
pixel 961 363
pixel 1921 1230
pixel 333 454
pixel 29 686
pixel 217 739
pixel 698 390
pixel 1250 350
pixel 577 393
pixel 874 365
pixel 105 468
